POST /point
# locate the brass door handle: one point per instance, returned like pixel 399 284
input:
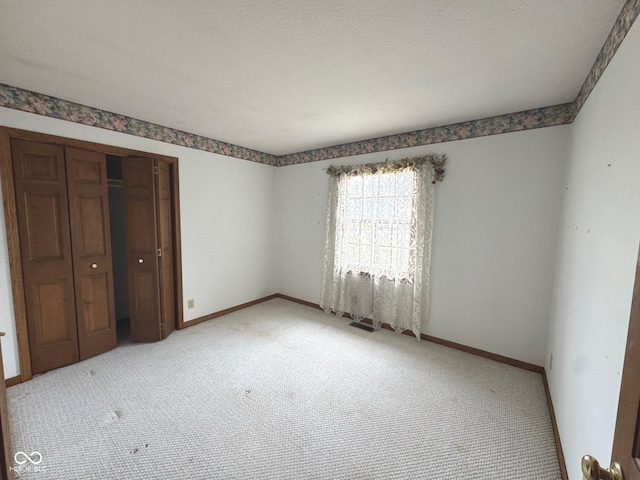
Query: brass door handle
pixel 94 265
pixel 592 470
pixel 140 260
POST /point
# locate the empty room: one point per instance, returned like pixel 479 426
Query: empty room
pixel 320 240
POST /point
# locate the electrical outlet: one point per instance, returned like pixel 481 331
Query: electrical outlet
pixel 550 360
pixel 191 303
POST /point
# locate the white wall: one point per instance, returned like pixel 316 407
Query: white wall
pixel 494 244
pixel 598 248
pixel 228 223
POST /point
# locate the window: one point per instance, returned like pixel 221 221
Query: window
pixel 378 222
pixel 378 244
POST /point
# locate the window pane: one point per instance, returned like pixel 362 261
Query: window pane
pixel 404 183
pixel 383 257
pixel 370 185
pixel 385 209
pixel 365 257
pixel 366 233
pixel 403 209
pixel 386 185
pixel 383 235
pixel 369 209
pixel 377 223
pixel 354 208
pixel 355 187
pixel 401 236
pixel 401 259
pixel 353 232
pixel 353 255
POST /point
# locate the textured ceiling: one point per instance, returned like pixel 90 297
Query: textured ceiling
pixel 287 76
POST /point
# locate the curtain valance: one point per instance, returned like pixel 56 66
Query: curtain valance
pixel 437 162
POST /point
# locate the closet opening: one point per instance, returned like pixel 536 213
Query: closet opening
pixel 93 236
pixel 118 249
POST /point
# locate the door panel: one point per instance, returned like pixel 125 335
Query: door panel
pixel 90 237
pixel 49 302
pixel 145 286
pixel 45 244
pixel 90 211
pixel 165 245
pixel 45 207
pixel 142 248
pixel 94 291
pixel 141 208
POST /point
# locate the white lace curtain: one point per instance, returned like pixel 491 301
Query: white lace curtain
pixel 378 243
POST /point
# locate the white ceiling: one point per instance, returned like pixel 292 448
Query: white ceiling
pixel 283 76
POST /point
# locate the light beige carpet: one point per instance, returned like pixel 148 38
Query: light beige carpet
pixel 283 391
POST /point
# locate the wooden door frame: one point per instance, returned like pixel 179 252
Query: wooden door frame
pixel 13 240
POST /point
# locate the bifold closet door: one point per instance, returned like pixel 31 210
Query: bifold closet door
pixel 45 245
pixel 165 246
pixel 91 249
pixel 63 222
pixel 142 249
pixel 148 205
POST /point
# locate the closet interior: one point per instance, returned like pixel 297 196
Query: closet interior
pixel 118 248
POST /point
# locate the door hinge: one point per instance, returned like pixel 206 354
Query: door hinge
pixel 159 252
pixel 155 170
pixel 162 329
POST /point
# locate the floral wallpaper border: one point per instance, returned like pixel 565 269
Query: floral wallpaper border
pixel 512 122
pixel 33 102
pixel 623 24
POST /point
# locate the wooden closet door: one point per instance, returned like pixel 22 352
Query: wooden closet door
pixel 91 248
pixel 165 246
pixel 45 246
pixel 142 249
